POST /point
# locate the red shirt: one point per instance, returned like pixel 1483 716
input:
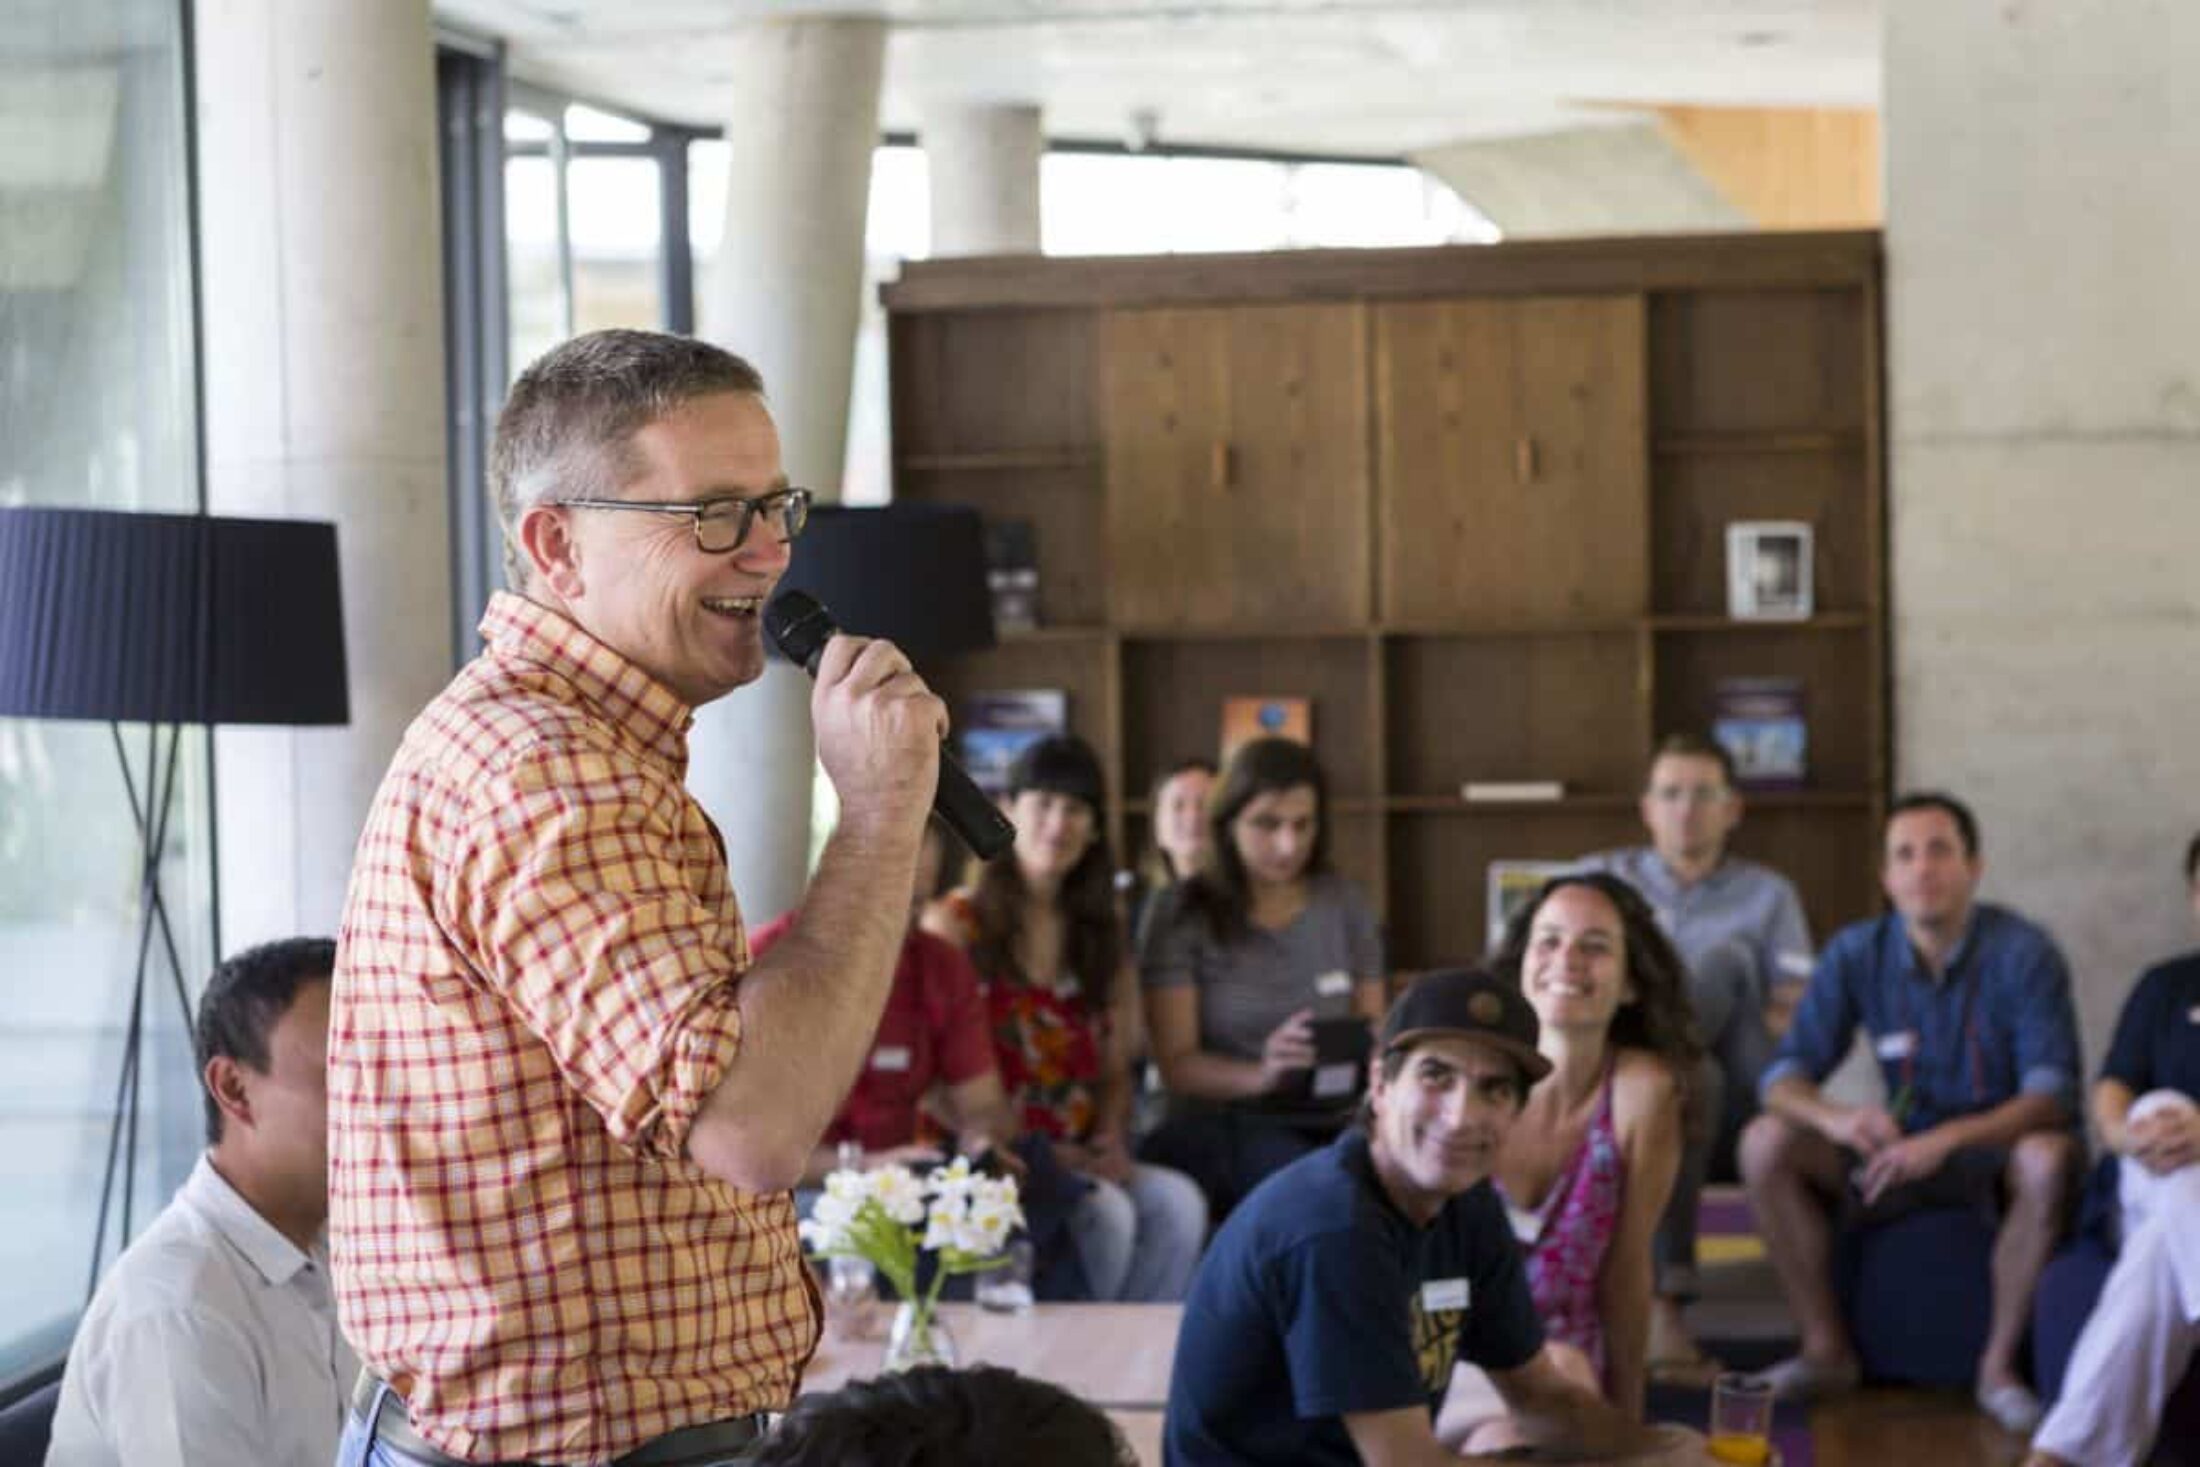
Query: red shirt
pixel 933 1028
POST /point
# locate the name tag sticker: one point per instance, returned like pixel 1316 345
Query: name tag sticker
pixel 1794 965
pixel 892 1057
pixel 1896 1046
pixel 1332 1081
pixel 2193 1013
pixel 1441 1296
pixel 1334 985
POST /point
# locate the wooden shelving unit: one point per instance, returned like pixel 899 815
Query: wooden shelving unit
pixel 1470 501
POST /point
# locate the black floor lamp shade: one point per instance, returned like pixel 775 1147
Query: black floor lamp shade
pixel 164 618
pixel 914 573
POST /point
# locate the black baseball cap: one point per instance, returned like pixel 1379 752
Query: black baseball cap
pixel 1472 1004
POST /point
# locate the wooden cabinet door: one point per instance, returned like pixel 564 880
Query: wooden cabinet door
pixel 1237 485
pixel 1512 457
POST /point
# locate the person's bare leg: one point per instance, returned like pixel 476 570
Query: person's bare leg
pixel 2041 1169
pixel 1789 1173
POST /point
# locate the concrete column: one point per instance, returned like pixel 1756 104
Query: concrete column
pixel 323 349
pixel 786 294
pixel 2044 415
pixel 984 166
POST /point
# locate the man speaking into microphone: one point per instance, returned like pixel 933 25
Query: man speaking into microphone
pixel 564 1106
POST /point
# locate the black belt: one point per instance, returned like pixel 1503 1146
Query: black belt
pixel 393 1427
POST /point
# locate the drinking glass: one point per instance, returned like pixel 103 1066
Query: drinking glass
pixel 1741 1421
pixel 1006 1287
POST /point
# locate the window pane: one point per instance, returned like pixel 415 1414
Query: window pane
pixel 617 220
pixel 534 281
pixel 528 127
pixel 95 411
pixel 589 125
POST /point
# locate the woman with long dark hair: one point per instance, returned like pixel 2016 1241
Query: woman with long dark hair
pixel 1042 929
pixel 1237 964
pixel 1589 1164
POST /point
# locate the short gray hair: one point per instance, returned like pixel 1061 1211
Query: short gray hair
pixel 566 427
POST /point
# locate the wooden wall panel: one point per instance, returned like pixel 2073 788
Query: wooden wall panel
pixel 1831 854
pixel 1236 467
pixel 1082 667
pixel 1511 454
pixel 1763 361
pixel 1173 692
pixel 1439 865
pixel 1832 666
pixel 1699 494
pixel 1444 461
pixel 990 382
pixel 1067 515
pixel 1551 707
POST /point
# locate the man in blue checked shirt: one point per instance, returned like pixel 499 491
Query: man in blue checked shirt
pixel 1967 1006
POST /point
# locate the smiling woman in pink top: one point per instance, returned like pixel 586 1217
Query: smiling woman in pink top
pixel 1589 1165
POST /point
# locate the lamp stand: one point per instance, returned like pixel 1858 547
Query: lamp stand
pixel 151 816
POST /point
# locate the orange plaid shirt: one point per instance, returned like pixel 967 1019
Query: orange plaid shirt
pixel 534 993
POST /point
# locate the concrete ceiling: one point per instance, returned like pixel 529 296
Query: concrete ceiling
pixel 1319 76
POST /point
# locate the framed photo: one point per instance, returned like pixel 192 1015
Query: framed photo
pixel 1512 885
pixel 1768 570
pixel 1265 717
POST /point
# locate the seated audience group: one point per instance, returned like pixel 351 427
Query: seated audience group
pixel 1363 1296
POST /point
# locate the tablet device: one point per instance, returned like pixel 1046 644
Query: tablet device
pixel 1339 1074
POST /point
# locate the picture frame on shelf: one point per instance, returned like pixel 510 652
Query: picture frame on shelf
pixel 1512 885
pixel 1265 716
pixel 1768 570
pixel 993 728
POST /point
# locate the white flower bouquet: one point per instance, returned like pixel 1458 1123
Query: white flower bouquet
pixel 890 1219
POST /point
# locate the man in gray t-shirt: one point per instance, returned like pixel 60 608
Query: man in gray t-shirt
pixel 1740 928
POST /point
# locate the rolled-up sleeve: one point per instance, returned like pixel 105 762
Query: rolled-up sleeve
pixel 2046 1027
pixel 1788 957
pixel 1824 1020
pixel 586 918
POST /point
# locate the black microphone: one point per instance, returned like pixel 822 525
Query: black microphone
pixel 800 627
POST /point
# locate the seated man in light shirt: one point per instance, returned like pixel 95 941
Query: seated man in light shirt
pixel 213 1338
pixel 1740 929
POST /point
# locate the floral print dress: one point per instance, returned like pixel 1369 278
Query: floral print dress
pixel 1045 1042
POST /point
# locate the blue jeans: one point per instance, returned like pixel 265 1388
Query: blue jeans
pixel 1140 1241
pixel 357 1450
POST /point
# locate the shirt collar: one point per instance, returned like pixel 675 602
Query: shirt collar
pixel 1654 861
pixel 275 1257
pixel 527 631
pixel 1915 966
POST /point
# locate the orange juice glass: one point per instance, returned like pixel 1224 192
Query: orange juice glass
pixel 1741 1421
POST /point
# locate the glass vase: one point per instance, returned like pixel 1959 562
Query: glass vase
pixel 919 1337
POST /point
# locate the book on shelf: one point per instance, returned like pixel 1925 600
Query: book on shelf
pixel 1512 791
pixel 1760 723
pixel 1511 886
pixel 992 729
pixel 1012 573
pixel 1264 716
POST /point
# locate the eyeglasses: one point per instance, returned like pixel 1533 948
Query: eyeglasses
pixel 1693 794
pixel 722 524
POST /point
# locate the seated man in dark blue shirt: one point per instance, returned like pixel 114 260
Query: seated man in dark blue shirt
pixel 1324 1322
pixel 1967 1007
pixel 2145 1329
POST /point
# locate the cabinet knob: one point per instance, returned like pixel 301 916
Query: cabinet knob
pixel 1524 460
pixel 1224 465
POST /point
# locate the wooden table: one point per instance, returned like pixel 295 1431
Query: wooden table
pixel 1117 1356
